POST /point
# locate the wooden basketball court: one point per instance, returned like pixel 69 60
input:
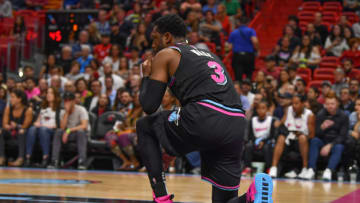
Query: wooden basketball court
pixel 134 186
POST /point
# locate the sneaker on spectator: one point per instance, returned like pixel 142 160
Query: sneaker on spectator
pixel 196 171
pixel 291 174
pixel 327 175
pixel 54 165
pixel 246 172
pixel 82 165
pixel 273 172
pixel 172 169
pixel 310 174
pixel 302 174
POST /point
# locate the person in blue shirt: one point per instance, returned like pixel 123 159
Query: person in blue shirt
pixel 85 58
pixel 244 44
pixel 211 5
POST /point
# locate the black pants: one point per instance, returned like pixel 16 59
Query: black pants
pixel 6 135
pixel 243 63
pixel 266 151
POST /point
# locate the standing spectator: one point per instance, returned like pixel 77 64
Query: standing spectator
pixel 66 59
pixel 345 101
pixel 223 18
pixel 16 120
pixel 5 9
pixel 336 43
pixel 340 81
pixel 320 28
pixel 114 57
pixel 210 29
pixel 73 126
pixel 85 58
pixel 102 50
pixel 83 40
pixel 118 82
pixel 45 126
pixel 354 89
pixel 91 101
pixel 260 137
pixel 332 127
pixel 306 55
pixel 102 106
pixel 298 127
pixel 244 45
pixel 103 24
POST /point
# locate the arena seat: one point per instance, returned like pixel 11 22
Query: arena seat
pixel 311 6
pixel 330 59
pixel 351 16
pixel 304 71
pixel 328 65
pixel 354 74
pixel 314 83
pixel 324 71
pixel 306 16
pixel 322 77
pixel 330 17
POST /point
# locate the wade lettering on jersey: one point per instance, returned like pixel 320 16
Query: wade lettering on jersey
pixel 201 53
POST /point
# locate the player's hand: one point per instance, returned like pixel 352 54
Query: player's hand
pixel 146 67
pixel 326 150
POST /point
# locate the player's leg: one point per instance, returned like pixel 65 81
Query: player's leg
pixel 304 149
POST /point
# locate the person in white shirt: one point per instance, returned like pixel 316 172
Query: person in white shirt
pixel 117 80
pixel 114 57
pixel 246 90
pixel 45 126
pixel 335 43
pixel 298 127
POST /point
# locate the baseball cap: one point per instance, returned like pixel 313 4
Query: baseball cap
pixel 68 96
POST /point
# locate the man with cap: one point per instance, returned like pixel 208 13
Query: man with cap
pixel 246 90
pixel 270 67
pixel 73 126
pixel 340 81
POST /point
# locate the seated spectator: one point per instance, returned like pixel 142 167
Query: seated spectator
pixel 292 68
pixel 29 72
pixel 332 127
pixel 5 9
pixel 293 21
pixel 294 40
pixel 116 37
pixel 32 91
pixel 102 106
pixel 345 101
pixel 73 126
pixel 10 84
pixel 284 81
pixel 136 15
pixel 44 127
pixel 306 55
pixel 18 4
pixel 347 67
pixel 210 6
pixel 103 24
pixel 348 34
pixel 315 38
pixel 168 102
pixel 19 29
pixel 70 87
pixel 123 70
pixel 283 54
pixel 353 53
pixel 192 4
pixel 244 100
pixel 246 90
pixel 91 101
pixel 340 81
pixel 261 133
pixel 94 34
pixel 102 50
pixel 270 67
pixel 16 120
pixel 83 40
pixel 354 89
pixel 109 90
pixel 194 40
pixel 356 29
pixel 66 59
pixel 82 88
pixel 336 43
pixel 320 28
pixel 118 82
pixel 285 101
pixel 49 64
pixel 223 18
pixel 3 101
pixel 325 89
pixel 134 57
pixel 350 5
pixel 43 86
pixel 71 4
pixel 298 127
pixel 192 21
pixel 210 29
pixel 259 80
pixel 138 39
pixel 85 58
pixel 74 73
pixel 123 103
pixel 300 87
pixel 125 26
pixel 124 136
pixel 114 57
pixel 354 119
pixel 268 96
pixel 252 111
pixel 312 102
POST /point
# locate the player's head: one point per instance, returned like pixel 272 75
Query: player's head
pixel 167 30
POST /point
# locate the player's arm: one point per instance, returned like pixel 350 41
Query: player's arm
pixel 153 85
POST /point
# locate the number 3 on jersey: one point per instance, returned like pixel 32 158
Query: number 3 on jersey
pixel 219 76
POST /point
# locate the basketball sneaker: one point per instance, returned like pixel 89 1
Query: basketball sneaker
pixel 260 190
pixel 327 175
pixel 163 199
pixel 302 174
pixel 291 174
pixel 273 172
pixel 310 174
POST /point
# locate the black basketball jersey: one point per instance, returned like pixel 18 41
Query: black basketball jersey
pixel 201 75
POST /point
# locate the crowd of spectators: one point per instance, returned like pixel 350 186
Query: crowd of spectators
pixel 99 72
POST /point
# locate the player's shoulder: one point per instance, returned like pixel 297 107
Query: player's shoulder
pixel 166 54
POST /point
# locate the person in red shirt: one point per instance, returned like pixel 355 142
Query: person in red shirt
pixel 353 53
pixel 270 68
pixel 102 50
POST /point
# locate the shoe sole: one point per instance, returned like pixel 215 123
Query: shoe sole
pixel 264 188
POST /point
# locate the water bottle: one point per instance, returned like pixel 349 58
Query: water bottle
pixel 340 175
pixel 353 169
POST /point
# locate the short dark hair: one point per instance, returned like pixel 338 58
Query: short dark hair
pixel 302 81
pixel 301 97
pixel 171 23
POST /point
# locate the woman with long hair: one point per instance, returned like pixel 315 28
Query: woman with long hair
pixel 306 55
pixel 284 81
pixel 139 38
pixel 336 43
pixel 123 70
pixel 17 119
pixel 114 57
pixel 44 127
pixel 49 64
pixel 82 88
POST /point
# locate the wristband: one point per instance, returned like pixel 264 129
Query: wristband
pixel 68 131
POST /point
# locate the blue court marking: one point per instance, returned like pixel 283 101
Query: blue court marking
pixel 222 106
pixel 16 198
pixel 45 181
